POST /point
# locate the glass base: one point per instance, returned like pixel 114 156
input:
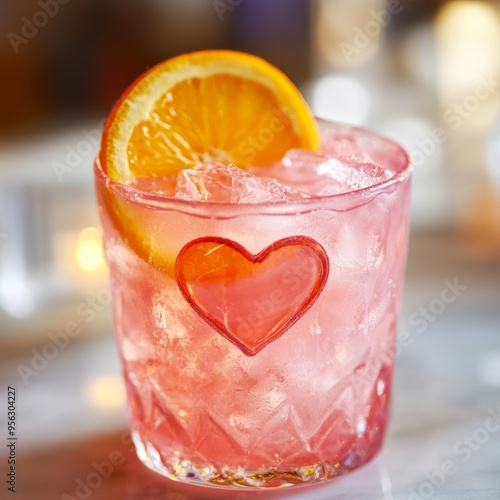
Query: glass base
pixel 184 471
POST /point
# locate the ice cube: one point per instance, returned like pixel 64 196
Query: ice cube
pixel 299 170
pixel 352 173
pixel 321 174
pixel 339 143
pixel 215 182
pixel 363 147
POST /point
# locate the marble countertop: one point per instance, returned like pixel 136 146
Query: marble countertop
pixel 443 441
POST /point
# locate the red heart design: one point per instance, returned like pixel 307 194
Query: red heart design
pixel 251 299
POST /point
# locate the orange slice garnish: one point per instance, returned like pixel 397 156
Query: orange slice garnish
pixel 205 106
pixel 212 105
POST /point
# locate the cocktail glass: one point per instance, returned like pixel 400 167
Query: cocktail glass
pixel 257 341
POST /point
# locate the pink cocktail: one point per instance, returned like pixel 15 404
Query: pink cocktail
pixel 259 352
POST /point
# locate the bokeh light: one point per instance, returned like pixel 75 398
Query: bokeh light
pixel 468 37
pixel 89 254
pixel 106 392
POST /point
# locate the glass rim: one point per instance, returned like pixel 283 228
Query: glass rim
pixel 341 201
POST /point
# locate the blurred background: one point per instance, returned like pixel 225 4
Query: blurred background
pixel 426 73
